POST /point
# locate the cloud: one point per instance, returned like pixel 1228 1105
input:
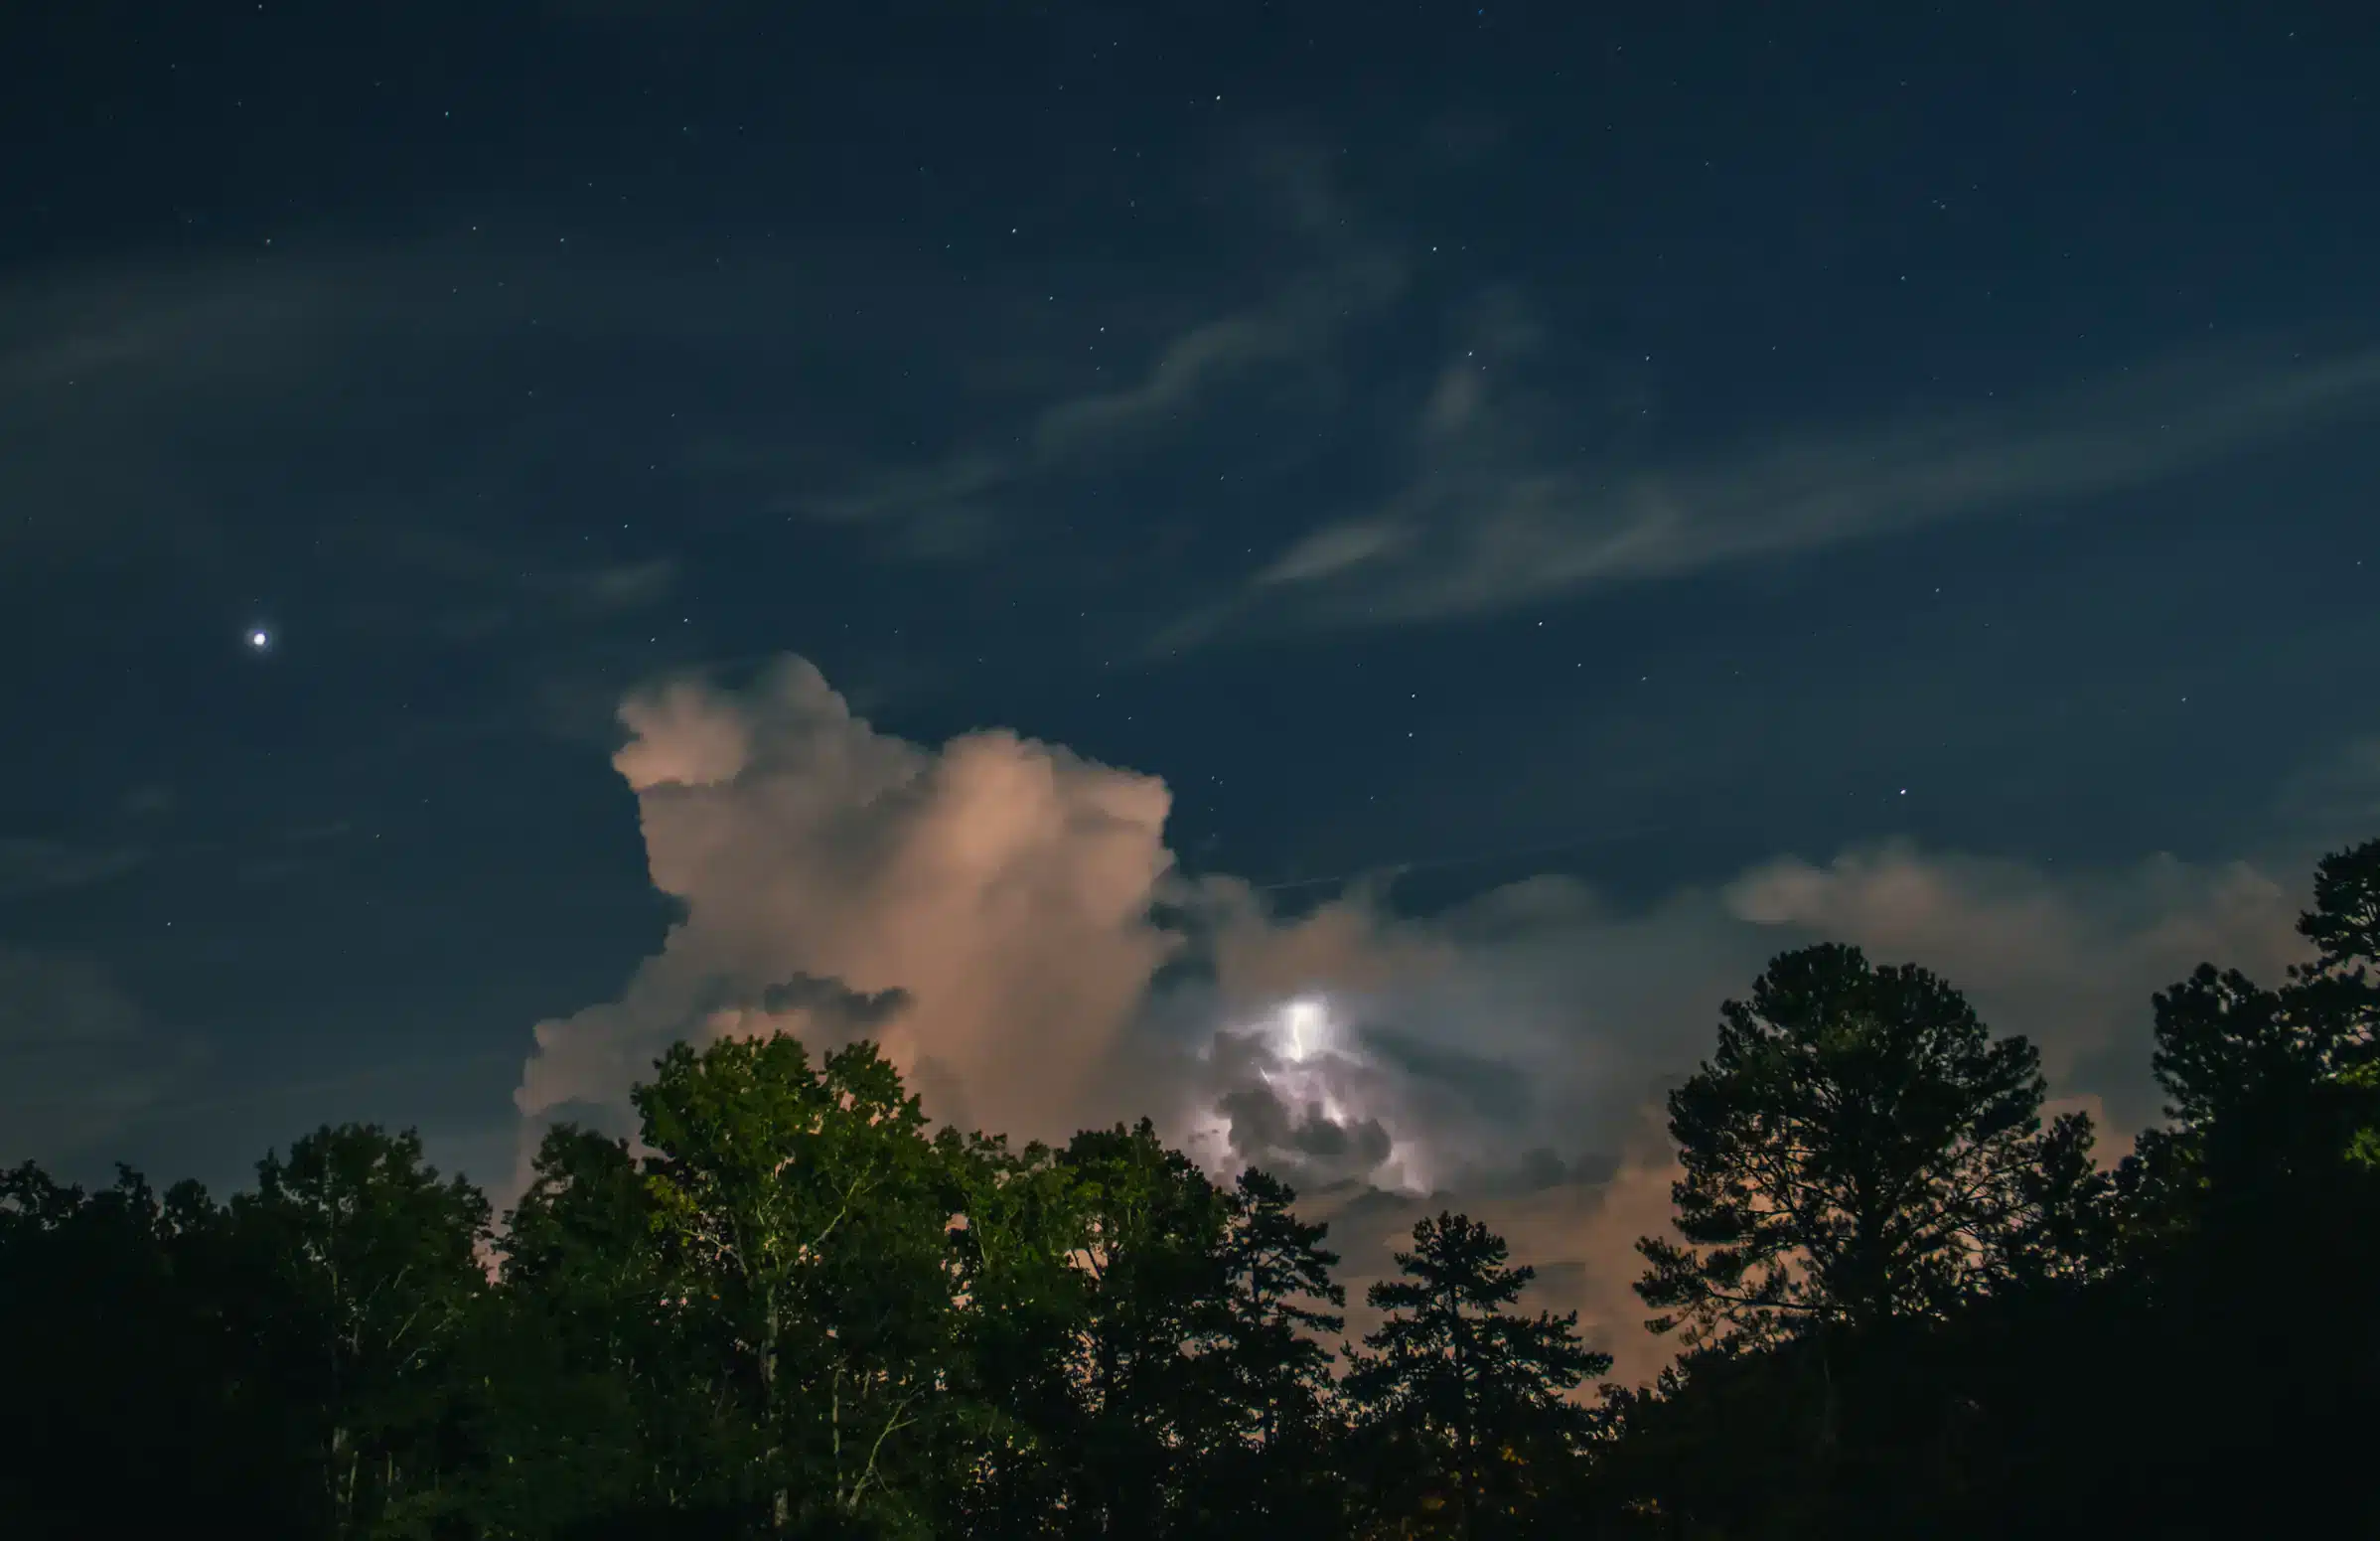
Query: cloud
pixel 2068 960
pixel 178 352
pixel 486 586
pixel 79 1062
pixel 1578 1234
pixel 1338 548
pixel 951 507
pixel 130 396
pixel 1005 917
pixel 31 867
pixel 1510 1054
pixel 1489 519
pixel 2338 796
pixel 940 511
pixel 999 885
pixel 599 591
pixel 1293 326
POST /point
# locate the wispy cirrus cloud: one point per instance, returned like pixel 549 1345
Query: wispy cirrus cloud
pixel 31 867
pixel 79 1060
pixel 954 505
pixel 1488 519
pixel 1295 325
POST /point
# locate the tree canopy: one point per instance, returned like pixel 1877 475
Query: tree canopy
pixel 1861 1148
pixel 791 1306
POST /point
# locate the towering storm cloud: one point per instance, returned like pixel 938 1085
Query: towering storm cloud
pixel 1005 918
pixel 982 910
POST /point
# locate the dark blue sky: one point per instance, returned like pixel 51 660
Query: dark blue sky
pixel 1507 440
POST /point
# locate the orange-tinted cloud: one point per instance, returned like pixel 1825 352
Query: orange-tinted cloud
pixel 990 912
pixel 1001 885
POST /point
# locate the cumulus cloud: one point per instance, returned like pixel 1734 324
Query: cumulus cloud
pixel 1003 915
pixel 1001 886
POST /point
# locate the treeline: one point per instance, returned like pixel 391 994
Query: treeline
pixel 1905 1306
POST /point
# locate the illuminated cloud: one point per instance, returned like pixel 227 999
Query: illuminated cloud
pixel 989 911
pixel 999 886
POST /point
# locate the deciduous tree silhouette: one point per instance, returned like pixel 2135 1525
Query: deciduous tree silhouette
pixel 604 1401
pixel 808 1211
pixel 1154 1312
pixel 119 1413
pixel 360 1270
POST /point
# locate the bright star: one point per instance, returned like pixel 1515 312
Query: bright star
pixel 258 641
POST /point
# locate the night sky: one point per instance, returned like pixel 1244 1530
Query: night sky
pixel 1487 522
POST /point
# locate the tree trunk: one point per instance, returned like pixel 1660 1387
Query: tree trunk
pixel 781 1507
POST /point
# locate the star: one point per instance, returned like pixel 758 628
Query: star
pixel 259 640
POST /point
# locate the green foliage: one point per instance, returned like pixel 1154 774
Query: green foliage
pixel 358 1270
pixel 803 1215
pixel 599 1396
pixel 2363 1141
pixel 1020 1307
pixel 1146 1403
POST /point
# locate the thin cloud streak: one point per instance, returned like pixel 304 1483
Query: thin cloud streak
pixel 1298 324
pixel 1486 523
pixel 948 506
pixel 30 866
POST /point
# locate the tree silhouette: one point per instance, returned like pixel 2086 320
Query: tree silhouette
pixel 806 1211
pixel 1272 1371
pixel 2259 1187
pixel 121 1414
pixel 1274 1264
pixel 2337 996
pixel 1155 1308
pixel 793 1311
pixel 1465 1400
pixel 1860 1147
pixel 1023 1315
pixel 359 1270
pixel 603 1399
